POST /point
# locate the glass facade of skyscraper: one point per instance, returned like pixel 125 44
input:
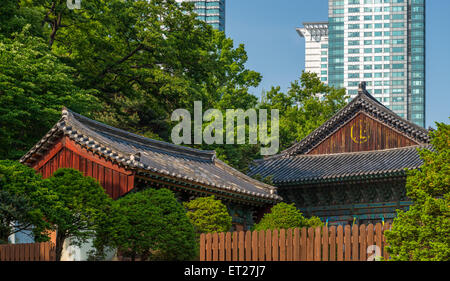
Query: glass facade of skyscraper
pixel 211 12
pixel 381 42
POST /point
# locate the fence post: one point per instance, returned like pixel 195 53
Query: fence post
pixel 282 240
pixel 333 243
pixel 362 243
pixel 303 244
pixel 222 246
pixel 215 246
pixel 289 244
pixel 208 247
pixel 370 240
pixel 241 245
pixel 296 244
pixel 275 246
pixel 261 242
pixel 340 243
pixel 248 246
pixel 228 247
pixel 202 247
pixel 386 227
pixel 325 243
pixel 317 244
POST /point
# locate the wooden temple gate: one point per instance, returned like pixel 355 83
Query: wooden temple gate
pixel 356 243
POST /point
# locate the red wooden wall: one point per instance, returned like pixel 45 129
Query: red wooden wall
pixel 66 154
pixel 362 133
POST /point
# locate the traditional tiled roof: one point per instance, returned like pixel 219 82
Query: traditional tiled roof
pixel 364 102
pixel 307 169
pixel 142 154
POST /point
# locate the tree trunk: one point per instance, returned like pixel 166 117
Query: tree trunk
pixel 60 238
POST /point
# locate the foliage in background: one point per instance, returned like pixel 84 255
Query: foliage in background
pixel 422 233
pixel 286 216
pixel 80 207
pixel 148 225
pixel 34 86
pixel 23 201
pixel 208 215
pixel 306 106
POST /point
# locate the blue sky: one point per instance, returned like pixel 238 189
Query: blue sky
pixel 267 28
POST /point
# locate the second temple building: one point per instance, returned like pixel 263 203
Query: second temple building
pixel 352 169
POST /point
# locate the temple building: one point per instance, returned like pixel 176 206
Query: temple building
pixel 123 162
pixel 352 169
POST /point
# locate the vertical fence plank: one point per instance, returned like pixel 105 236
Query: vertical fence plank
pixel 202 247
pixel 261 245
pixel 241 244
pixel 362 243
pixel 275 246
pixel 386 227
pixel 303 244
pixel 2 253
pixel 370 238
pixel 16 253
pixel 325 243
pixel 317 244
pixel 208 247
pixel 289 245
pixel 248 246
pixel 46 251
pixel 36 252
pixel 269 245
pixel 222 246
pixel 228 247
pixel 52 252
pixel 347 243
pixel 378 237
pixel 27 252
pixel 332 243
pixel 355 242
pixel 282 240
pixel 310 245
pixel 215 247
pixel 236 245
pixel 340 243
pixel 255 246
pixel 296 244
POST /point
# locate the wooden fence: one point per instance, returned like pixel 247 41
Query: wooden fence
pixel 28 252
pixel 357 243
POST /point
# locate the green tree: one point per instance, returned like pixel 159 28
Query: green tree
pixel 24 201
pixel 81 206
pixel 34 86
pixel 149 225
pixel 422 233
pixel 307 105
pixel 208 215
pixel 286 216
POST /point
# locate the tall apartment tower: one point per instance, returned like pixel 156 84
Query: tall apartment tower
pixel 316 48
pixel 381 42
pixel 210 11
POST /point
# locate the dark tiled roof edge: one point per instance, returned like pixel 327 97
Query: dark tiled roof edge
pixel 71 126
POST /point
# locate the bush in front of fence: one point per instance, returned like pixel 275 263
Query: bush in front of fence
pixel 285 216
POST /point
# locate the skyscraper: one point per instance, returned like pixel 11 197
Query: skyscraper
pixel 210 11
pixel 316 48
pixel 381 42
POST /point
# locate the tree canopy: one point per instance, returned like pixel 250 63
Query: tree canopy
pixel 80 207
pixel 208 215
pixel 422 233
pixel 149 225
pixel 24 201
